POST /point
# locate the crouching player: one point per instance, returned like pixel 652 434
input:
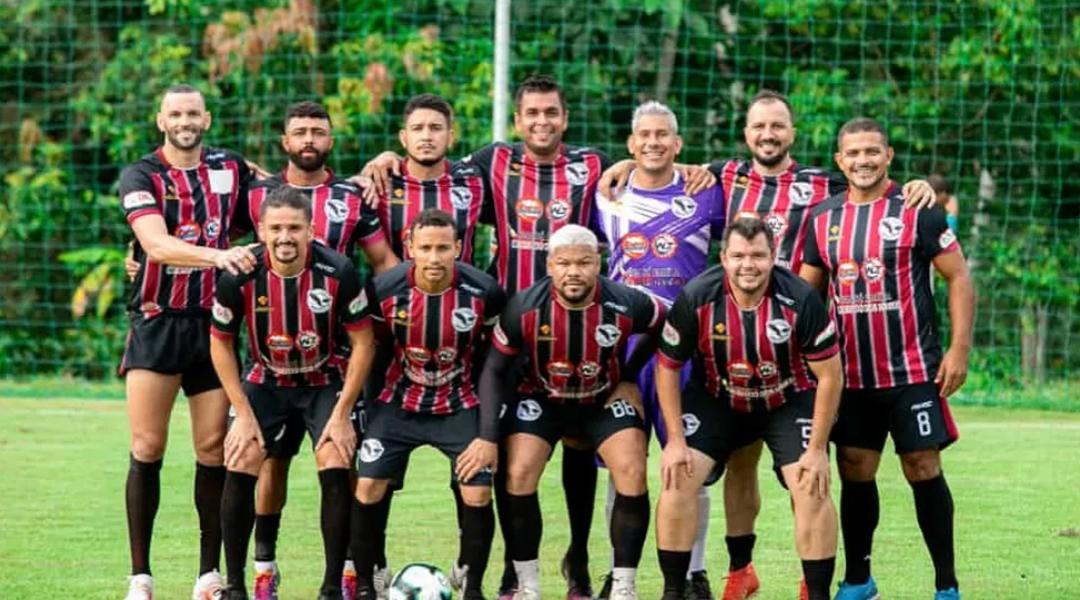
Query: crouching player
pixel 298 303
pixel 754 334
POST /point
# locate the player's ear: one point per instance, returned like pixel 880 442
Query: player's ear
pixel 159 120
pixel 401 139
pixel 889 154
pixel 457 248
pixel 678 144
pixel 207 120
pixel 630 144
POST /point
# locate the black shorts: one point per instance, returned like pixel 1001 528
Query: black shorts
pixel 915 416
pixel 537 415
pixel 714 428
pixel 392 434
pixel 172 345
pixel 284 414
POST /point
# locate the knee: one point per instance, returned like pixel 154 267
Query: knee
pixel 370 491
pixel 520 479
pixel 476 496
pixel 921 466
pixel 329 458
pixel 149 446
pixel 856 467
pixel 630 478
pixel 210 448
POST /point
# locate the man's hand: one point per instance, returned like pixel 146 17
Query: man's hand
pixel 378 170
pixel 697 178
pixel 613 180
pixel 367 190
pixel 131 268
pixel 917 193
pixel 480 454
pixel 260 173
pixel 675 456
pixel 813 475
pixel 236 260
pixel 629 391
pixel 244 431
pixel 339 432
pixel 952 372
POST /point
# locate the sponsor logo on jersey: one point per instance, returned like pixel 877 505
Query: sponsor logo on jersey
pixel 683 207
pixel 212 229
pixel 529 209
pixel 766 369
pixel 800 193
pixel 170 194
pixel 690 424
pixel 318 300
pixel 776 223
pixel 847 272
pixel 778 331
pixel 873 269
pixel 577 173
pixel 279 342
pixel 834 234
pixel 150 307
pixel 336 210
pixel 461 197
pixel 221 313
pixel 890 228
pixel 741 181
pixel 262 304
pixel 359 303
pixel 446 355
pixel 607 335
pixel 463 319
pixel 371 450
pixel 665 245
pixel 634 245
pixel 720 332
pixel 138 199
pixel 529 410
pixel 670 335
pixel 221 180
pixel 589 369
pixel 946 238
pixel 417 354
pixel 740 369
pixel 306 340
pixel 558 210
pixel 325 268
pixel 189 232
pixel 560 368
pixel 616 307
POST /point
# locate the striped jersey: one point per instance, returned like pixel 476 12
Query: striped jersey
pixel 878 258
pixel 293 322
pixel 528 201
pixel 198 205
pixel 437 340
pixel 755 358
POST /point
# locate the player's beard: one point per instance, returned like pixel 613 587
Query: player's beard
pixel 196 139
pixel 289 258
pixel 762 282
pixel 309 163
pixel 578 298
pixel 772 161
pixel 428 162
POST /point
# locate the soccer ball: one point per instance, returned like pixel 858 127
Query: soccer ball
pixel 420 581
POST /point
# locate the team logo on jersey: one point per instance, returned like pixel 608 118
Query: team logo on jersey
pixel 690 424
pixel 946 238
pixel 461 197
pixel 221 313
pixel 778 331
pixel 720 329
pixel 138 199
pixel 280 342
pixel 336 210
pixel 742 181
pixel 212 229
pixel 577 173
pixel 529 209
pixel 740 369
pixel 776 223
pixel 890 228
pixel 683 207
pixel 560 368
pixel 306 340
pixel 558 209
pixel 607 335
pixel 371 450
pixel 418 354
pixel 463 319
pixel 170 194
pixel 670 335
pixel 834 234
pixel 664 245
pixel 847 272
pixel 446 355
pixel 359 303
pixel 873 269
pixel 529 410
pixel 634 245
pixel 800 193
pixel 189 232
pixel 588 369
pixel 766 369
pixel 318 300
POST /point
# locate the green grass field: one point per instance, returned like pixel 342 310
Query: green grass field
pixel 1014 476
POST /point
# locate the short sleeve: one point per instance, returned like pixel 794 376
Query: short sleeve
pixel 481 162
pixel 648 313
pixel 228 311
pixel 717 212
pixel 934 236
pixel 678 339
pixel 605 160
pixel 369 229
pixel 816 330
pixel 811 253
pixel 359 301
pixel 507 335
pixel 494 304
pixel 138 194
pixel 838 183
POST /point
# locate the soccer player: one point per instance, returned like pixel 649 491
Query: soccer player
pixel 757 336
pixel 435 315
pixel 572 329
pixel 659 239
pixel 297 303
pixel 875 257
pixel 180 202
pixel 341 222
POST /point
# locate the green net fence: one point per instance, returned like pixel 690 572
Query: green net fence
pixel 986 93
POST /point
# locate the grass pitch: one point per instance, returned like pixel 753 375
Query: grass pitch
pixel 1014 476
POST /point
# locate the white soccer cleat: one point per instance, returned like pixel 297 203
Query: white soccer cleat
pixel 140 587
pixel 457 577
pixel 209 586
pixel 526 594
pixel 624 593
pixel 380 582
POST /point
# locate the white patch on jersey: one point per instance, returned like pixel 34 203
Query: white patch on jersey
pixel 461 197
pixel 683 207
pixel 359 303
pixel 529 410
pixel 318 300
pixel 690 424
pixel 577 173
pixel 221 181
pixel 778 331
pixel 371 450
pixel 607 335
pixel 800 193
pixel 946 238
pixel 826 333
pixel 890 228
pixel 222 314
pixel 463 319
pixel 670 334
pixel 336 210
pixel 500 335
pixel 138 199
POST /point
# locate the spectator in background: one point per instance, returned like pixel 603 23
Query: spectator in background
pixel 944 190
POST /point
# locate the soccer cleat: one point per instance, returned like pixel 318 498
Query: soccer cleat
pixel 578 584
pixel 140 587
pixel 330 593
pixel 380 582
pixel 526 594
pixel 348 581
pixel 457 576
pixel 507 594
pixel 804 593
pixel 235 594
pixel 209 586
pixel 949 594
pixel 624 593
pixel 267 580
pixel 605 590
pixel 862 591
pixel 741 584
pixel 697 587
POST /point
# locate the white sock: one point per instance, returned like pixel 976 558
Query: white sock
pixel 267 565
pixel 608 508
pixel 528 574
pixel 697 553
pixel 623 578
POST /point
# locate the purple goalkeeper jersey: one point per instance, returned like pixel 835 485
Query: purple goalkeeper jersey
pixel 658 240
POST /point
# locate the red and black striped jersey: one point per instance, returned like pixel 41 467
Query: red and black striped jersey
pixel 756 358
pixel 459 191
pixel 784 201
pixel 294 324
pixel 338 214
pixel 198 205
pixel 438 340
pixel 878 257
pixel 575 353
pixel 528 201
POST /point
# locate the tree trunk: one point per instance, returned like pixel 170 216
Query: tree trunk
pixel 1028 343
pixel 1042 320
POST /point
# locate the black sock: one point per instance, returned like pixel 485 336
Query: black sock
pixel 209 482
pixel 502 511
pixel 859 512
pixel 818 575
pixel 266 533
pixel 459 508
pixel 629 528
pixel 674 565
pixel 382 517
pixel 142 493
pixel 526 521
pixel 237 519
pixel 334 519
pixel 934 509
pixel 362 540
pixel 579 483
pixel 477 530
pixel 740 550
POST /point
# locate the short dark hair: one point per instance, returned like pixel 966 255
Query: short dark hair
pixel 749 228
pixel 433 217
pixel 305 109
pixel 767 95
pixel 429 101
pixel 286 196
pixel 861 125
pixel 538 84
pixel 940 184
pixel 182 88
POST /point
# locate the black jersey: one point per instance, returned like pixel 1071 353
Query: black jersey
pixel 575 353
pixel 198 205
pixel 294 324
pixel 437 339
pixel 754 357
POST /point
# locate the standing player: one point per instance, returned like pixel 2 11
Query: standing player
pixel 180 202
pixel 573 328
pixel 875 256
pixel 435 316
pixel 659 239
pixel 298 303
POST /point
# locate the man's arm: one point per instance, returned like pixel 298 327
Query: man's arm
pixel 814 462
pixel 380 256
pixel 245 428
pixel 163 248
pixel 954 365
pixel 339 430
